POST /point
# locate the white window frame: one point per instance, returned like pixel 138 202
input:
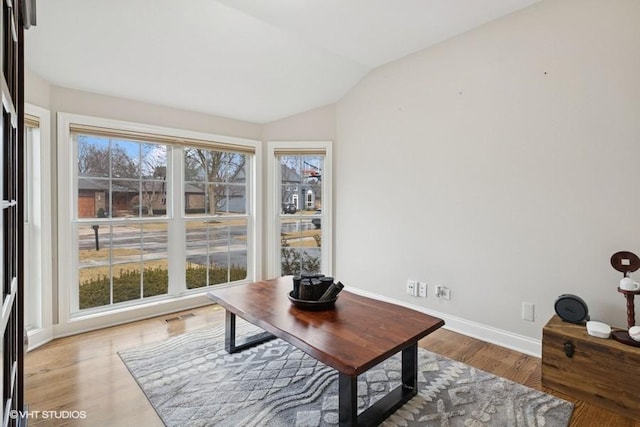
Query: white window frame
pixel 274 204
pixel 38 229
pixel 179 297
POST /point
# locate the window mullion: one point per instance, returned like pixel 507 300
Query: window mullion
pixel 177 225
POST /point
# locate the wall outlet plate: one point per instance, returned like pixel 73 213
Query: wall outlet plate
pixel 443 292
pixel 528 311
pixel 412 287
pixel 422 289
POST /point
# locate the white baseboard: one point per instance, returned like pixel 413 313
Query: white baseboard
pixel 38 337
pixel 470 328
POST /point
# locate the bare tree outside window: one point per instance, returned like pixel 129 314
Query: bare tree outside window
pixel 153 162
pixel 94 156
pixel 217 179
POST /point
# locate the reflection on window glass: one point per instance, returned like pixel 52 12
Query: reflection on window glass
pixel 215 182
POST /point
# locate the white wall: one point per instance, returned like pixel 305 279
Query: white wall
pixel 316 125
pixel 90 104
pixel 503 164
pixel 36 89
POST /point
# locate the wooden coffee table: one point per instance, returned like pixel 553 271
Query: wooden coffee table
pixel 356 335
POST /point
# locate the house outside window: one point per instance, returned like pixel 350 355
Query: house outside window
pixel 300 240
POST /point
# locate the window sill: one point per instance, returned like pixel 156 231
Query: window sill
pixel 84 322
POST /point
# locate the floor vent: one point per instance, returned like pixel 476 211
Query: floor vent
pixel 181 317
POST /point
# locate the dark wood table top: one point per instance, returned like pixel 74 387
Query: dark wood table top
pixel 357 334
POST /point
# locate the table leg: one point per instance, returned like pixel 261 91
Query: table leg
pixel 348 399
pixel 231 345
pixel 410 368
pixel 379 411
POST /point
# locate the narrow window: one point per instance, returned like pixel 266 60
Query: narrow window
pixel 301 172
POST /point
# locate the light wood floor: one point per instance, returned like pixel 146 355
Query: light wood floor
pixel 85 373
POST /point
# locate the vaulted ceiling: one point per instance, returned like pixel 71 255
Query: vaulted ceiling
pixel 253 60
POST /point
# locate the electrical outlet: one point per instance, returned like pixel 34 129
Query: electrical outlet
pixel 443 292
pixel 422 289
pixel 528 311
pixel 412 287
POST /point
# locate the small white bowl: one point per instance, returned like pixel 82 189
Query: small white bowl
pixel 598 329
pixel 634 333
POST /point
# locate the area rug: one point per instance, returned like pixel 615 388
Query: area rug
pixel 191 381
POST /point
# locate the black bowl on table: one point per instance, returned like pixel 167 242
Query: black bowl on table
pixel 312 305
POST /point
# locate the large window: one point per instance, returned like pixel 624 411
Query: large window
pixel 156 213
pixel 300 174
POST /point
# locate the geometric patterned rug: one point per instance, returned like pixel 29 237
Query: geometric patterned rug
pixel 192 381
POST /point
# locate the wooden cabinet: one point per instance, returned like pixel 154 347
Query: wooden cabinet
pixel 599 371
